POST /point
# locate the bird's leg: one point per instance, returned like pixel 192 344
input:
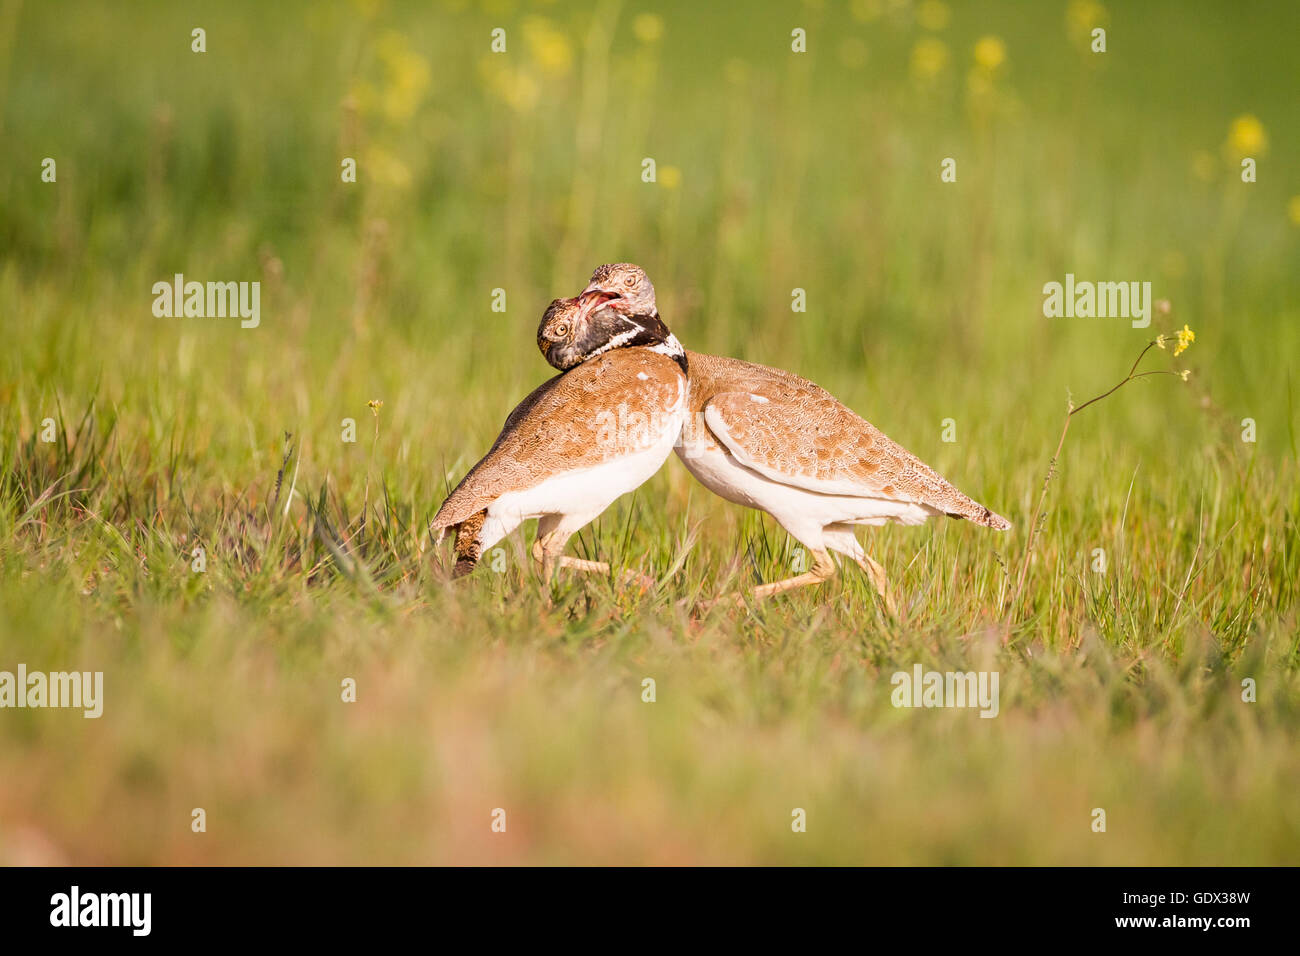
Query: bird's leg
pixel 548 551
pixel 823 569
pixel 878 578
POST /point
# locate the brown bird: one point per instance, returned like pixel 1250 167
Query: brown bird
pixel 580 440
pixel 770 440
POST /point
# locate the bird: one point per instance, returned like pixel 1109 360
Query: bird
pixel 768 439
pixel 577 442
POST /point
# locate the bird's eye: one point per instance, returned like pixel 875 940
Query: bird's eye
pixel 629 281
pixel 562 329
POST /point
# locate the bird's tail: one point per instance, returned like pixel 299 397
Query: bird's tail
pixel 468 548
pixel 982 515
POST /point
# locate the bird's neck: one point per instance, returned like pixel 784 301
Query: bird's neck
pixel 673 349
pixel 647 330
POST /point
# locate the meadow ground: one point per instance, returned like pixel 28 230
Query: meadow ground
pixel 1120 689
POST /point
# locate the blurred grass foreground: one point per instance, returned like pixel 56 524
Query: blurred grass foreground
pixel 227 518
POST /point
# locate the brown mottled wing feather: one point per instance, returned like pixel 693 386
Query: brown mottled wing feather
pixel 565 425
pixel 795 432
pixel 524 407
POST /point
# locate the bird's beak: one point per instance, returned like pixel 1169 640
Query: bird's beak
pixel 591 299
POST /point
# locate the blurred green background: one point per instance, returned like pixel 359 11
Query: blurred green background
pixel 522 171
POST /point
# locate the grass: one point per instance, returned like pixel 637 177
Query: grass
pixel 1119 690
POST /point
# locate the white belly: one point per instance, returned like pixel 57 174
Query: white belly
pixel 805 514
pixel 582 494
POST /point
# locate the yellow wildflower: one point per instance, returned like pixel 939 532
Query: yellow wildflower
pixel 929 57
pixel 990 51
pixel 548 45
pixel 1160 341
pixel 1084 16
pixel 375 405
pixel 1184 373
pixel 518 88
pixel 648 27
pixel 1185 338
pixel 385 168
pixel 407 73
pixel 1246 137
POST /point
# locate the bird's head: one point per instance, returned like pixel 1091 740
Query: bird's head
pixel 620 286
pixel 574 330
pixel 558 335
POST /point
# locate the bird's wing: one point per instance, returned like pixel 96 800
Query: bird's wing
pixel 817 444
pixel 605 408
pixel 459 505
